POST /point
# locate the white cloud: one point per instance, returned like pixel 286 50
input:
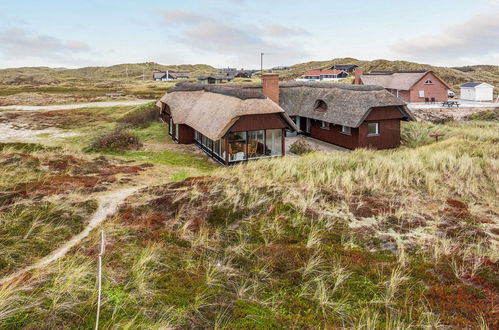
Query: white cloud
pixel 470 42
pixel 230 39
pixel 21 43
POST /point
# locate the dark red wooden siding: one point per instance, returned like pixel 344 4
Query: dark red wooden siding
pixel 334 135
pixel 389 135
pixel 186 134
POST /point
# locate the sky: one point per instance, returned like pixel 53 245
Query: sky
pixel 233 33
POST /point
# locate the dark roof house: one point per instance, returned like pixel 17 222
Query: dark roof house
pixel 215 79
pixel 345 67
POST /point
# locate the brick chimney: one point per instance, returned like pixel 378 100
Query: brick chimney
pixel 358 72
pixel 270 86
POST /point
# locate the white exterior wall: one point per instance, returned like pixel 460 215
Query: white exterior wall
pixel 484 93
pixel 468 93
pixel 477 93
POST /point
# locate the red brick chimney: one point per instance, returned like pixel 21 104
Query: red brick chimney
pixel 358 72
pixel 270 86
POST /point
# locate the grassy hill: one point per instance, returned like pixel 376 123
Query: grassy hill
pixel 394 239
pixel 120 72
pixel 453 76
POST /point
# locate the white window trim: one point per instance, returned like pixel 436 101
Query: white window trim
pixel 345 131
pixel 428 82
pixel 324 124
pixel 377 130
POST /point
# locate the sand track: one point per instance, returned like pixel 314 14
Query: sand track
pixel 108 205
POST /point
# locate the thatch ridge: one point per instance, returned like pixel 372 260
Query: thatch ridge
pixel 349 87
pixel 238 91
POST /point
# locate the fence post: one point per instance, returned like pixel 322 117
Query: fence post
pixel 99 277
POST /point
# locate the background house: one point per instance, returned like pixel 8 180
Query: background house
pixel 410 86
pixel 345 67
pixel 169 75
pixel 323 75
pixel 211 80
pixel 477 91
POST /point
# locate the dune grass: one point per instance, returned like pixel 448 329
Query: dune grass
pixel 369 239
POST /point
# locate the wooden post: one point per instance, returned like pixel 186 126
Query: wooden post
pixel 283 141
pixel 436 136
pixel 99 277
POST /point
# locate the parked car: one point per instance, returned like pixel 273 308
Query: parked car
pixel 451 94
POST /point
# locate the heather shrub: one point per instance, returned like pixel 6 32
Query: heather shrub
pixel 301 147
pixel 118 140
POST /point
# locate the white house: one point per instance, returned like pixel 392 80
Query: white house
pixel 477 91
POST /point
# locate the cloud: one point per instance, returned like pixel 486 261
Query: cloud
pixel 474 40
pixel 278 30
pixel 181 16
pixel 19 43
pixel 230 37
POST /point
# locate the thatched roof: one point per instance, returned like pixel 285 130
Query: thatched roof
pixel 347 105
pixel 212 110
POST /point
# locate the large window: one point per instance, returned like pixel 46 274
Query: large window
pixel 346 130
pixel 176 131
pixel 256 144
pixel 237 146
pixel 274 142
pixel 170 127
pixel 372 129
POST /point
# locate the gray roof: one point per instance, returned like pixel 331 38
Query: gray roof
pixel 216 77
pixel 345 66
pixel 348 105
pixel 474 84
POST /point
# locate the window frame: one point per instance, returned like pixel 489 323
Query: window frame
pixel 377 129
pixel 428 82
pixel 325 125
pixel 344 131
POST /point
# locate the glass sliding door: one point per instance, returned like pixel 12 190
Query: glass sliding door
pixel 256 144
pixel 273 142
pixel 237 146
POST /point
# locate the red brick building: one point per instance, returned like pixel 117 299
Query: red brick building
pixel 410 86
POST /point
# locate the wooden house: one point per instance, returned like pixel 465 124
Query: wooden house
pixel 231 124
pixel 477 91
pixel 346 115
pixel 212 80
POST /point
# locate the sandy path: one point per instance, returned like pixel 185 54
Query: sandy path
pixel 73 106
pixel 108 204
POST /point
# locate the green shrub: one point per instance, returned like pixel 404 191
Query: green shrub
pixel 300 147
pixel 141 117
pixel 484 115
pixel 119 140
